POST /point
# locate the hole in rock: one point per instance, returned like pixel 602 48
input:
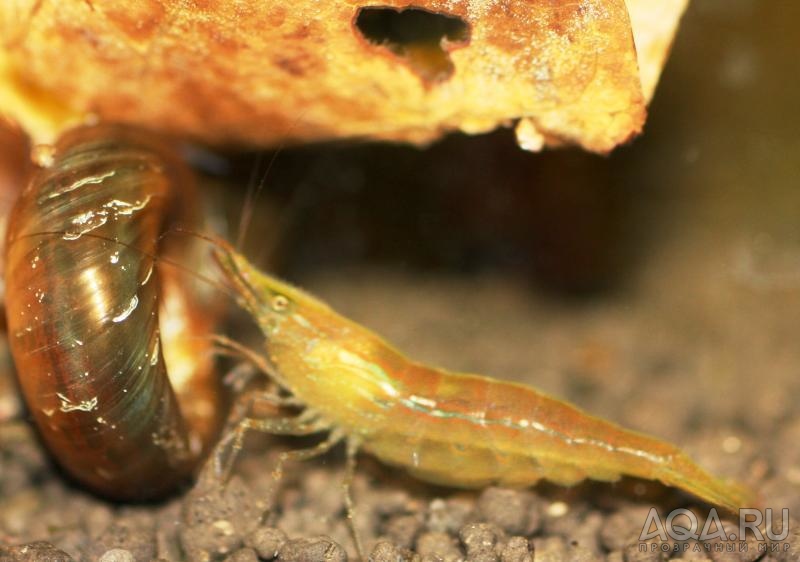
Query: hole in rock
pixel 424 39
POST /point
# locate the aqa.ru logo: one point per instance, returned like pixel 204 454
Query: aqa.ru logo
pixel 688 527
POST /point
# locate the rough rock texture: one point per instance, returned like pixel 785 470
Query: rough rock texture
pixel 260 72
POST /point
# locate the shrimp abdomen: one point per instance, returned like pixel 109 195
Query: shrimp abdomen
pixel 471 431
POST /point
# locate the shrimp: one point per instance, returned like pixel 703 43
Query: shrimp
pixel 447 428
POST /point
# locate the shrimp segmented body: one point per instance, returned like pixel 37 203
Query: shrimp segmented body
pixel 448 428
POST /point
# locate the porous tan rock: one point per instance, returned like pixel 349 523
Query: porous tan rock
pixel 261 72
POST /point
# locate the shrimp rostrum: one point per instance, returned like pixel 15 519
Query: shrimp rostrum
pixel 447 428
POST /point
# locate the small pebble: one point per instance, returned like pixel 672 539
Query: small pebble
pixel 563 519
pixel 448 516
pixel 386 551
pixel 731 444
pixel 440 545
pixel 643 552
pixel 622 528
pixel 70 540
pixel 587 533
pixel 403 529
pixel 550 549
pixel 317 484
pixel 117 555
pixel 316 549
pixel 216 518
pixel 98 518
pixel 139 542
pixel 387 503
pixel 477 537
pixel 22 459
pixel 582 554
pixel 34 552
pixel 266 541
pixel 508 509
pixel 243 555
pixel 517 549
pixel 483 556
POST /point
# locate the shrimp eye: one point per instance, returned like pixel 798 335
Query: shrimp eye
pixel 279 303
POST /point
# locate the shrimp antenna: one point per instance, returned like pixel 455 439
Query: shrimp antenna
pixel 221 245
pixel 210 238
pixel 253 191
pixel 254 188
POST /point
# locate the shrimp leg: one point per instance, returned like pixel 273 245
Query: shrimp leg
pixel 347 490
pixel 334 438
pixel 230 445
pixel 234 348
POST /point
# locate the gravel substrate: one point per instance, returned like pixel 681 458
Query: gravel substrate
pixel 667 363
